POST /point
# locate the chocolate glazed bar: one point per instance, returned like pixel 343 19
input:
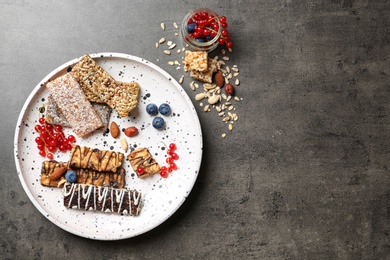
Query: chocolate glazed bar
pixel 82 157
pixel 105 199
pixel 109 179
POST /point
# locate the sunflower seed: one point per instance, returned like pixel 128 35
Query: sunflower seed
pixel 170 63
pixel 162 40
pixel 167 52
pixel 156 45
pixel 178 51
pixel 236 98
pixel 172 46
pixel 237 82
pixel 169 43
pixel 181 79
pixel 223 51
pixel 225 58
pixel 230 127
pixel 175 25
pixel 221 113
pixel 225 119
pixel 206 108
pixel 235 69
pixel 223 135
pixel 162 26
pixel 200 96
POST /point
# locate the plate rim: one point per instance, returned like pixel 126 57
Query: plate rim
pixel 39 86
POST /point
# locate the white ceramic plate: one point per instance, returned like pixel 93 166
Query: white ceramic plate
pixel 161 196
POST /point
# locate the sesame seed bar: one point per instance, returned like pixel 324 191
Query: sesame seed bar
pixel 96 83
pixel 82 157
pixel 104 199
pixel 84 176
pixel 74 105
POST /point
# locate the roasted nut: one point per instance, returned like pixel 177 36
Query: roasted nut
pixel 57 173
pixel 229 89
pixel 114 129
pixel 131 131
pixel 219 79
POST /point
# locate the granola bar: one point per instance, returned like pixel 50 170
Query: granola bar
pixel 74 105
pixel 125 98
pixel 84 176
pixel 82 157
pixel 104 199
pixel 100 87
pixel 141 157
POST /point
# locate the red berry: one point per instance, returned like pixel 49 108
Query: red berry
pixel 50 156
pixel 42 121
pixel 172 147
pixel 38 140
pixel 164 172
pixel 58 128
pixel 222 19
pixel 41 147
pixel 140 170
pixel 174 156
pixel 221 41
pixel 42 153
pixel 229 45
pixel 172 167
pixel 224 25
pixel 71 139
pixel 224 33
pixel 51 148
pixel 169 160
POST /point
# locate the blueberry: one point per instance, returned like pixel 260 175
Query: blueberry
pixel 71 176
pixel 158 122
pixel 209 37
pixel 199 40
pixel 191 27
pixel 151 109
pixel 164 109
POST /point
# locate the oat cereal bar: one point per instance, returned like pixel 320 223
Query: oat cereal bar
pixel 141 157
pixel 74 105
pixel 104 199
pixel 82 157
pixel 195 60
pixel 53 114
pixel 125 98
pixel 84 176
pixel 96 83
pixel 206 76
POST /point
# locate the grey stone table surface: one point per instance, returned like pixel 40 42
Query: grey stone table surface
pixel 304 174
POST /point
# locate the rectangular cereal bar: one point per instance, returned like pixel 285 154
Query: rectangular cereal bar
pixel 96 83
pixel 53 114
pixel 141 158
pixel 195 60
pixel 74 105
pixel 82 157
pixel 104 199
pixel 107 179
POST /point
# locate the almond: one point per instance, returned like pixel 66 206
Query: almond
pixel 114 129
pixel 219 79
pixel 57 173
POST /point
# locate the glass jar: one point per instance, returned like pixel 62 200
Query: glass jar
pixel 201 29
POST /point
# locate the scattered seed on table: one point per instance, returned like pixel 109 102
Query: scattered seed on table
pixel 162 26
